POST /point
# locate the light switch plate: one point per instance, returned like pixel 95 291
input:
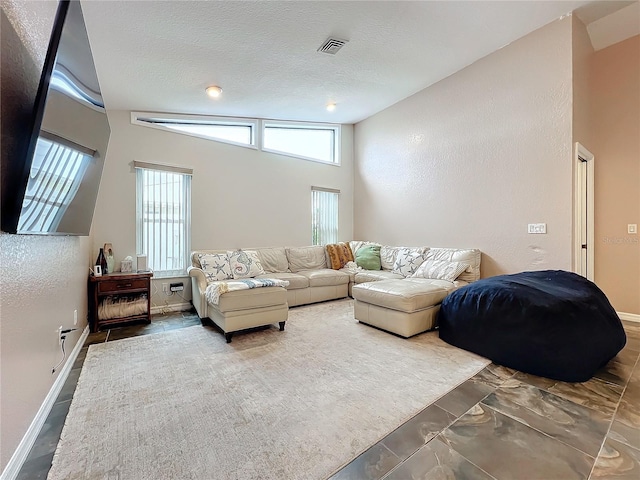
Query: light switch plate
pixel 537 228
pixel 632 228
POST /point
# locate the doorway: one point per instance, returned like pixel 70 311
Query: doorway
pixel 584 238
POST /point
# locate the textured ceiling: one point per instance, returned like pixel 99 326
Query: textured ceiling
pixel 160 55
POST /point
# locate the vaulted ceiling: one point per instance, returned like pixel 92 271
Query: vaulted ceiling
pixel 161 55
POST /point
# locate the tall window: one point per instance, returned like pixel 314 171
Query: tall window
pixel 54 179
pixel 163 216
pixel 324 215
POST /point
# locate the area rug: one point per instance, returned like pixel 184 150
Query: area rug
pixel 297 404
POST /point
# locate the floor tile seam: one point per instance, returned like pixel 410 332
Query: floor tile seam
pixel 455 419
pixel 467 459
pixel 594 458
pixel 615 412
pixel 557 394
pixel 436 436
pixel 624 390
pixel 544 433
pixel 598 456
pixel 613 383
pixel 466 411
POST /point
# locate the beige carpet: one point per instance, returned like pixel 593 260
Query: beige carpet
pixel 296 404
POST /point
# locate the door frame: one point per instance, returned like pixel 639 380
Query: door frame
pixel 583 233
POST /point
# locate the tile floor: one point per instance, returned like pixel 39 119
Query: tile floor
pixel 500 424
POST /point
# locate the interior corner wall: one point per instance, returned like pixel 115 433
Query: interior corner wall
pixel 240 197
pixel 42 279
pixel 474 158
pixel 582 54
pixel 615 117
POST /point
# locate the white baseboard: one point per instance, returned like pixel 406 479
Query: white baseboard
pixel 630 317
pixel 173 307
pixel 24 447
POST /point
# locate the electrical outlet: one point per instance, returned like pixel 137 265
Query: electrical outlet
pixel 59 333
pixel 176 287
pixel 632 228
pixel 165 287
pixel 75 318
pixel 537 228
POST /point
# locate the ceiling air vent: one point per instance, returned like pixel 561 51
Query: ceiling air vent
pixel 331 46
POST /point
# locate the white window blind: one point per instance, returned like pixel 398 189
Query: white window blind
pixel 163 217
pixel 324 215
pixel 56 173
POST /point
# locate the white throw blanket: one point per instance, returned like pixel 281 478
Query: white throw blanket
pixel 215 289
pixel 352 267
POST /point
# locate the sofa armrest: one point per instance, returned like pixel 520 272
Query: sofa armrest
pixel 198 287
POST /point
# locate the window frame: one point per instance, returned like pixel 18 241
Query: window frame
pixel 333 127
pixel 147 119
pixel 257 126
pixel 332 191
pixel 187 174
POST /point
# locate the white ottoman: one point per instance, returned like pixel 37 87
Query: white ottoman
pixel 405 307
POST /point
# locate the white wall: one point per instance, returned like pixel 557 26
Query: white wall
pixel 240 197
pixel 471 160
pixel 42 279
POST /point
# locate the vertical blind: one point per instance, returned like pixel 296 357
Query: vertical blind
pixel 163 216
pixel 324 215
pixel 56 174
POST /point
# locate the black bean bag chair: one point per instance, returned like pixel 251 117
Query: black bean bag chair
pixel 549 323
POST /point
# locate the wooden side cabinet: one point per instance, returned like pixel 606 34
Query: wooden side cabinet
pixel 119 298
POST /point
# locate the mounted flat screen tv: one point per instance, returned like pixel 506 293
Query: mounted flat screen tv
pixel 54 185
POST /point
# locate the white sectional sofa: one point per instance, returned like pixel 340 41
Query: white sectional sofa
pixel 305 270
pixel 406 301
pixel 387 298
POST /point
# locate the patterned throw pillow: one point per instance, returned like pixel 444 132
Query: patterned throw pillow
pixel 245 263
pixel 407 262
pixel 339 255
pixel 215 266
pixel 440 270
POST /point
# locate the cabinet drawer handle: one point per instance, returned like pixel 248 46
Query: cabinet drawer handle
pixel 124 285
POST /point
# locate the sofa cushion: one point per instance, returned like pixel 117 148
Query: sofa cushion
pixel 215 266
pixel 306 258
pixel 338 255
pixel 368 257
pixel 407 262
pixel 447 285
pixel 376 275
pixel 245 263
pixel 471 256
pixel 402 295
pixel 250 299
pixel 296 281
pixel 325 277
pixel 273 259
pixel 440 269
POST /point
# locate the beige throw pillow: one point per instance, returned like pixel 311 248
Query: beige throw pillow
pixel 440 270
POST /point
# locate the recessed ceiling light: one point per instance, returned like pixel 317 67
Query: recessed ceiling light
pixel 331 107
pixel 213 91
